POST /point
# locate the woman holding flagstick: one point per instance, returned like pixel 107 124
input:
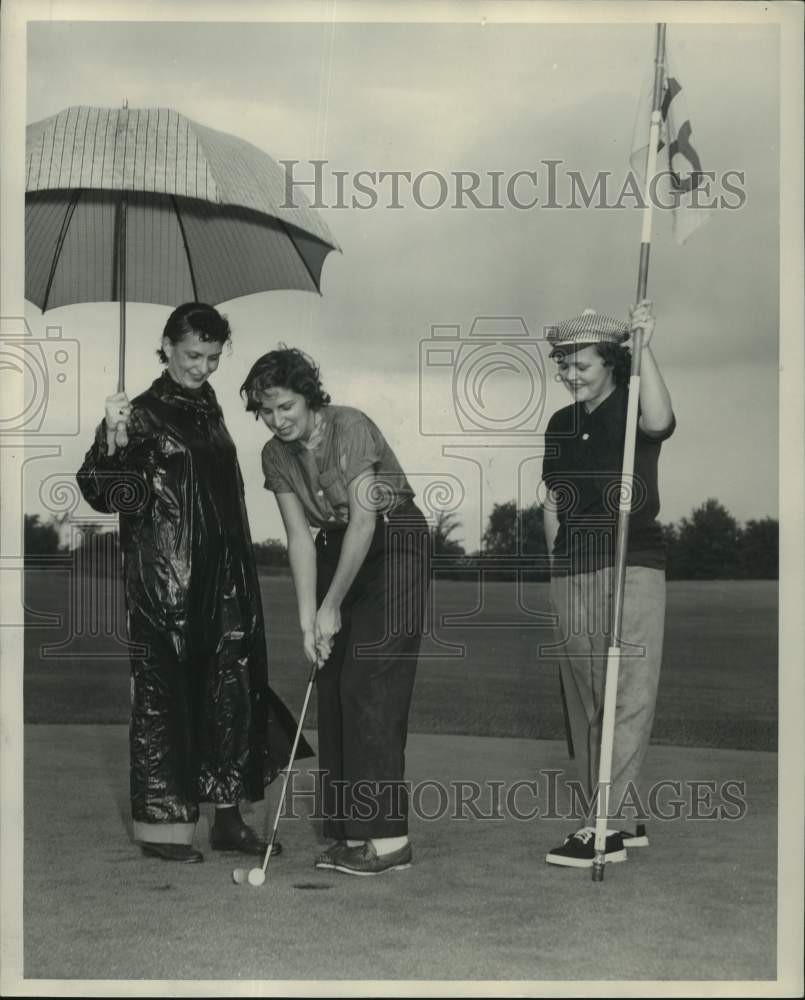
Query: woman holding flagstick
pixel 582 476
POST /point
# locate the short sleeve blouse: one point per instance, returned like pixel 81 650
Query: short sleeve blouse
pixel 348 443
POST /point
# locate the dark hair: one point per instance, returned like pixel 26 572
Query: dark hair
pixel 199 318
pixel 618 358
pixel 285 368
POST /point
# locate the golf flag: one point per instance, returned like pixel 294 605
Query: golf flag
pixel 681 189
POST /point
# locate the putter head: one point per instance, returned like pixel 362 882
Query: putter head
pixel 239 876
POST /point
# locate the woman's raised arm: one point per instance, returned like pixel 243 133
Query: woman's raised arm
pixel 656 413
pixel 114 469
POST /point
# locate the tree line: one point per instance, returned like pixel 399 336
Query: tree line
pixel 43 538
pixel 708 545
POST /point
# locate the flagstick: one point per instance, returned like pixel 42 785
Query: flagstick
pixel 625 499
pixel 651 167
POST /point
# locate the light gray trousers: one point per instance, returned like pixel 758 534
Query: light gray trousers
pixel 583 604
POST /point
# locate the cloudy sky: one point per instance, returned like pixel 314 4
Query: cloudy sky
pixel 463 97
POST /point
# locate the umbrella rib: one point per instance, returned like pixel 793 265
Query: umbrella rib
pixel 68 215
pixel 301 255
pixel 186 247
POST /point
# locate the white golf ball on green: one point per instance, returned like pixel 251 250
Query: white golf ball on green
pixel 257 876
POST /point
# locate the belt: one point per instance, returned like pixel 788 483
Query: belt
pixel 399 511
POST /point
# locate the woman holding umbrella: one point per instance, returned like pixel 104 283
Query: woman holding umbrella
pixel 361 589
pixel 205 726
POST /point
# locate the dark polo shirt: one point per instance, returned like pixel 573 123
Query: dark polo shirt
pixel 582 467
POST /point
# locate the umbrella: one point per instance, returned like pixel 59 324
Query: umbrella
pixel 145 205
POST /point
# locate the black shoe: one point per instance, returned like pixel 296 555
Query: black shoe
pixel 236 836
pixel 183 853
pixel 578 850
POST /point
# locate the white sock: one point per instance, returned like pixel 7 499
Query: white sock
pixel 385 845
pixel 355 843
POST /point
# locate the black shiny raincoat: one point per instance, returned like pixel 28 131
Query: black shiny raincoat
pixel 205 726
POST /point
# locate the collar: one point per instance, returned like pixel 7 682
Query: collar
pixel 202 399
pixel 614 400
pixel 317 435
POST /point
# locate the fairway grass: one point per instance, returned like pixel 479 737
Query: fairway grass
pixel 482 671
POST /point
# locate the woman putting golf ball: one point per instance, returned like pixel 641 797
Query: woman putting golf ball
pixel 582 474
pixel 361 590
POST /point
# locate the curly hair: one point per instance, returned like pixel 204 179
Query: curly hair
pixel 285 368
pixel 199 318
pixel 614 356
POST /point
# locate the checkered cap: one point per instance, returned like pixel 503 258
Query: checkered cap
pixel 589 328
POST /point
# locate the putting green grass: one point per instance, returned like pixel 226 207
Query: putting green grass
pixel 478 903
pixel 481 673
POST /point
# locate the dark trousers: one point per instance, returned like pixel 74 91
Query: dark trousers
pixel 365 687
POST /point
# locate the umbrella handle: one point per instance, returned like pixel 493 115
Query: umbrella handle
pixel 121 296
pixel 121 435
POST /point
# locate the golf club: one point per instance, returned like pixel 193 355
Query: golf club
pixel 257 876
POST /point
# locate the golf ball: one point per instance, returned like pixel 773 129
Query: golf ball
pixel 239 876
pixel 257 876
